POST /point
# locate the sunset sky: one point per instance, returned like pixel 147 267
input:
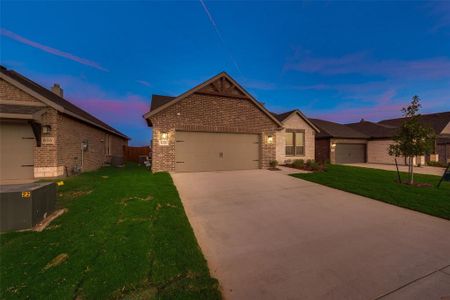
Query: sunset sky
pixel 340 61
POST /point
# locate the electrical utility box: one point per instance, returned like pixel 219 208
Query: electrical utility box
pixel 22 206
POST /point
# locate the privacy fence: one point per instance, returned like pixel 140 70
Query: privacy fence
pixel 133 153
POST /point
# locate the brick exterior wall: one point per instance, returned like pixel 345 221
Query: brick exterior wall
pixel 46 156
pixel 296 122
pixel 63 150
pixel 205 113
pixel 71 133
pixel 8 92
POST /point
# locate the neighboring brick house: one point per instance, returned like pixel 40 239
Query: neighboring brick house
pixel 369 142
pixel 440 123
pixel 42 134
pixel 339 144
pixel 217 125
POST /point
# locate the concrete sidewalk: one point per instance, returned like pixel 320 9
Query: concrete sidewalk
pixel 267 235
pixel 418 170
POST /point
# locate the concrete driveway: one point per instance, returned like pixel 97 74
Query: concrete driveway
pixel 267 235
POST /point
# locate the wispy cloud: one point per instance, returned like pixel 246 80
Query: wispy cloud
pixel 384 105
pixel 122 111
pixel 362 63
pixel 219 35
pixel 387 104
pixel 440 12
pixel 259 85
pixel 143 82
pixel 23 40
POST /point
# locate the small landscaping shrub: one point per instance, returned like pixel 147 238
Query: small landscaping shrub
pixel 314 166
pixel 298 163
pixel 309 162
pixel 273 163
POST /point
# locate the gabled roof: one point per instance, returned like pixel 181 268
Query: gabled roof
pixel 374 130
pixel 53 100
pixel 170 102
pixel 335 130
pixel 284 116
pixel 437 121
pixel 159 100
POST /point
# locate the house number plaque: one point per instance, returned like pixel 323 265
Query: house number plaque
pixel 48 140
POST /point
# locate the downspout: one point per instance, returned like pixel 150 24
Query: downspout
pixel 82 150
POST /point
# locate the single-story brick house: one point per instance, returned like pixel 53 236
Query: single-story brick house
pixel 366 141
pixel 339 144
pixel 379 138
pixel 440 123
pixel 44 135
pixel 217 125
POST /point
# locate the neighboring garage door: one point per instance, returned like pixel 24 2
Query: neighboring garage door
pixel 201 151
pixel 16 148
pixel 350 153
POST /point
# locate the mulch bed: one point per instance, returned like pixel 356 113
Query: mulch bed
pixel 307 168
pixel 418 184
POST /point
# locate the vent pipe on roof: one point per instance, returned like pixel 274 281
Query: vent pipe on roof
pixel 362 120
pixel 56 88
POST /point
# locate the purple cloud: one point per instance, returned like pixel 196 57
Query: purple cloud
pixel 23 40
pixel 361 63
pixel 130 108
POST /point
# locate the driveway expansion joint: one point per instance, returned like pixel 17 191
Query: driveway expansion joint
pixel 414 281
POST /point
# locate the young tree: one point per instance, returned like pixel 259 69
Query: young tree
pixel 414 138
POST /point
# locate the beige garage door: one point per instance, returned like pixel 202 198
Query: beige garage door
pixel 201 151
pixel 16 150
pixel 350 153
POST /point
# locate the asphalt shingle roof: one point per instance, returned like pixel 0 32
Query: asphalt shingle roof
pixel 159 100
pixel 437 121
pixel 330 129
pixel 282 116
pixel 374 130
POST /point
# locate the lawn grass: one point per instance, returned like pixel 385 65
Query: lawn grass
pixel 381 185
pixel 125 236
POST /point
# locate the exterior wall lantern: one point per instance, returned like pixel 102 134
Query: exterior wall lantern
pixel 164 139
pixel 46 129
pixel 270 139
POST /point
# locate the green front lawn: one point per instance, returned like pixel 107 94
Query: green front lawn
pixel 381 185
pixel 125 236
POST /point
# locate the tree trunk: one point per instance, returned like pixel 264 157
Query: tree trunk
pixel 411 172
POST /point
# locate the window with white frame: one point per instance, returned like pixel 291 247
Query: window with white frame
pixel 295 142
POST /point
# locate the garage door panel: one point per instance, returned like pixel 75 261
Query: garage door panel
pixel 201 151
pixel 350 153
pixel 16 150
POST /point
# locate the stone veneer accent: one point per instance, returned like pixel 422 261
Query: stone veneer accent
pixel 206 113
pixel 296 122
pixel 43 172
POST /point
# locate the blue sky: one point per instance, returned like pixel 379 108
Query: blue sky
pixel 341 61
